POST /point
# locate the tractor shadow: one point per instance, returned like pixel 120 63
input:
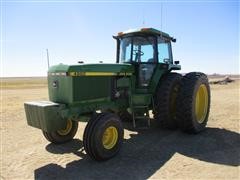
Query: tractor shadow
pixel 144 153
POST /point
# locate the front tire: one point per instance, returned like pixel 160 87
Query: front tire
pixel 103 136
pixel 63 135
pixel 193 102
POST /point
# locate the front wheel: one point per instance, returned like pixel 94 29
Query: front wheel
pixel 103 136
pixel 193 102
pixel 63 135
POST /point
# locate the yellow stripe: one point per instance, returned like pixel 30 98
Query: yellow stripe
pixel 98 74
pixel 76 73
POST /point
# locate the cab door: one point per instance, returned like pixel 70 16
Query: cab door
pixel 145 58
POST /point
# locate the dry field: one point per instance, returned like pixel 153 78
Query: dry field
pixel 146 154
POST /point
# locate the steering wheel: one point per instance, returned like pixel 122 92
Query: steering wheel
pixel 138 52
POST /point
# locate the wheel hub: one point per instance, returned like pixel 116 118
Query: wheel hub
pixel 201 103
pixel 110 137
pixel 64 132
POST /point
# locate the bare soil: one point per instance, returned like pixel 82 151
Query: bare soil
pixel 150 153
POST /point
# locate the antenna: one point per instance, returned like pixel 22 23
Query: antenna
pixel 47 58
pixel 161 17
pixel 143 16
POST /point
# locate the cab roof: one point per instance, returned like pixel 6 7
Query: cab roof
pixel 151 31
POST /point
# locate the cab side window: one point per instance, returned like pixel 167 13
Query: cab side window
pixel 163 51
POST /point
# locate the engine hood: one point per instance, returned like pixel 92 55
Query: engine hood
pixel 91 69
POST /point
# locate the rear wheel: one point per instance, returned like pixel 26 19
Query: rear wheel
pixel 165 100
pixel 193 102
pixel 63 135
pixel 103 136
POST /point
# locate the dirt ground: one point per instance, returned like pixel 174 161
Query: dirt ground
pixel 151 153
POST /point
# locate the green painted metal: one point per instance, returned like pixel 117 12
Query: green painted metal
pixel 117 68
pixel 141 99
pixel 76 91
pixel 44 115
pixel 74 84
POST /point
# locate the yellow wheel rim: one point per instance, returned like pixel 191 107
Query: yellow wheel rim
pixel 201 103
pixel 64 132
pixel 110 137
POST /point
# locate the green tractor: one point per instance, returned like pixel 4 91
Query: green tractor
pixel 104 95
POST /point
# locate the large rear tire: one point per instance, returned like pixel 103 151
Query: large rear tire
pixel 193 102
pixel 63 135
pixel 165 100
pixel 103 136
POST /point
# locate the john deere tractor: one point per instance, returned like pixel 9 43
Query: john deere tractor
pixel 104 95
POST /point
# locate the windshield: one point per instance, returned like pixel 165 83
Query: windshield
pixel 137 49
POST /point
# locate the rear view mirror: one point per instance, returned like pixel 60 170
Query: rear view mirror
pixel 176 62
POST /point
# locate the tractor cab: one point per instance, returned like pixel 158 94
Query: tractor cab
pixel 147 49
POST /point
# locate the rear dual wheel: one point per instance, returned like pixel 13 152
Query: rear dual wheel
pixel 193 102
pixel 103 136
pixel 183 102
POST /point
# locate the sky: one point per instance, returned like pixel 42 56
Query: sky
pixel 207 33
